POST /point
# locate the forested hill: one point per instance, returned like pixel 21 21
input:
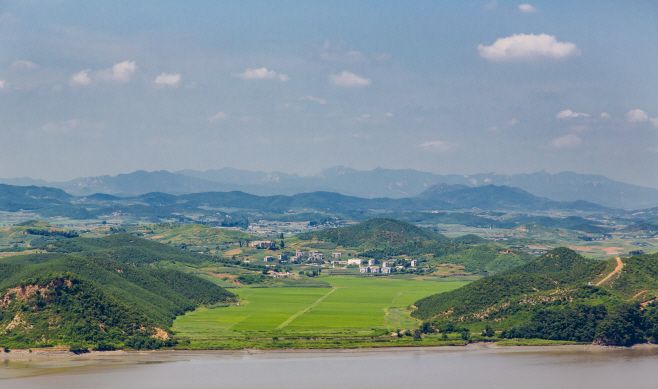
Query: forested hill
pixel 373 233
pixel 118 274
pixel 389 239
pixel 125 248
pixel 558 296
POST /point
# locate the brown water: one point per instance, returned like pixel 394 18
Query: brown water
pixel 474 366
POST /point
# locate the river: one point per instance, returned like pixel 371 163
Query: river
pixel 474 366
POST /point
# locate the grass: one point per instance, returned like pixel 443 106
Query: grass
pixel 353 307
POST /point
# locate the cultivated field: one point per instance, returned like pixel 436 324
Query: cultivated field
pixel 353 306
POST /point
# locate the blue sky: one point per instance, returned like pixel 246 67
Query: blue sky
pixel 90 88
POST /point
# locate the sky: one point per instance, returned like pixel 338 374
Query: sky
pixel 451 87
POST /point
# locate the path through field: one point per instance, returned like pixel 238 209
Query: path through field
pixel 620 265
pixel 303 311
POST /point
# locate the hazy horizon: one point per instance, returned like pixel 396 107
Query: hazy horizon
pixel 104 88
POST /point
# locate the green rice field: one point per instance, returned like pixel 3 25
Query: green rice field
pixel 353 306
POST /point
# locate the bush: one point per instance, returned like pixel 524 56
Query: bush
pixel 76 348
pixel 103 346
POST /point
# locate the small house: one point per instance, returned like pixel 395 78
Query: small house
pixel 364 270
pixel 283 257
pixel 414 263
pixel 269 258
pixel 336 255
pixel 374 269
pixel 354 261
pixel 386 270
pixel 371 262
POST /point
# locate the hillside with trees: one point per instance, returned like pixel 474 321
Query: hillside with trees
pixel 117 277
pixel 558 296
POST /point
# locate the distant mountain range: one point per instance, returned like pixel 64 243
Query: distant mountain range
pixel 377 183
pixel 157 205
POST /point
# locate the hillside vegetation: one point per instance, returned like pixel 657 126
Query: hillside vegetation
pixel 119 272
pixel 559 296
pixel 383 239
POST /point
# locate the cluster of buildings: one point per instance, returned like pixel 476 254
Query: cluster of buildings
pixel 263 244
pixel 316 256
pixel 386 267
pixel 313 256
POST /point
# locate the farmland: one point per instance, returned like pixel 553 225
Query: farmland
pixel 351 307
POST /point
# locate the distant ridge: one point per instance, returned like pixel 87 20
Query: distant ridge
pixel 376 183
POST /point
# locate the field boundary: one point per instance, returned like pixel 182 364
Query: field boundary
pixel 303 311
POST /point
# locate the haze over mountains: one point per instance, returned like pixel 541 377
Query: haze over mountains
pixel 377 183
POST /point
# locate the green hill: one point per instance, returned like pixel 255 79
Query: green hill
pixel 383 239
pixel 126 248
pixel 559 296
pixel 57 308
pixel 122 268
pixel 374 233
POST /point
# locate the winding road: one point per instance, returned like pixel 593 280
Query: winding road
pixel 620 265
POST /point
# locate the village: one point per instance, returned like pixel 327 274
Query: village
pixel 317 258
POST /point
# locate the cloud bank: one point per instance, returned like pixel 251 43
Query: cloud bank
pixel 567 113
pixel 349 80
pixel 261 74
pixel 527 47
pixel 168 79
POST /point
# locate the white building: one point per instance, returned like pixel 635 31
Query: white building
pixel 295 259
pixel 300 253
pixel 354 261
pixel 336 255
pixel 371 262
pixel 364 269
pixel 283 257
pixel 269 258
pixel 262 244
pixel 386 270
pixel 414 263
pixel 386 264
pixel 375 269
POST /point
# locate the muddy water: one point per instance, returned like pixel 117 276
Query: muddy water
pixel 474 366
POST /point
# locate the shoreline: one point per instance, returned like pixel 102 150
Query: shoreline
pixel 23 354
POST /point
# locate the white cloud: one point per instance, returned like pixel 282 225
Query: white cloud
pixel 349 80
pixel 567 113
pixel 219 116
pixel 122 71
pixel 605 115
pixel 81 78
pixel 437 145
pixel 527 8
pixel 316 99
pixel 522 47
pixel 654 121
pixel 3 84
pixel 513 122
pixel 389 114
pixel 567 142
pixel 261 74
pixel 491 5
pixel 636 116
pixel 168 79
pixel 23 65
